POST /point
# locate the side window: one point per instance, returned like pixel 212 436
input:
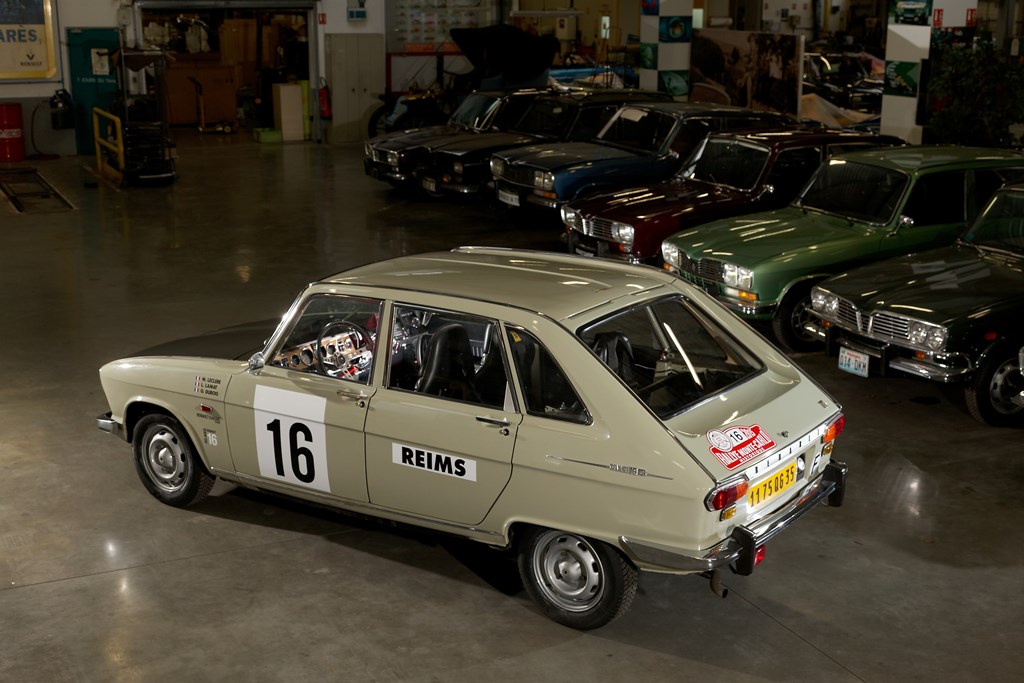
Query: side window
pixel 937 198
pixel 689 135
pixel 546 389
pixel 792 169
pixel 333 336
pixel 987 181
pixel 449 355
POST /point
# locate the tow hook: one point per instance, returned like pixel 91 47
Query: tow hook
pixel 715 582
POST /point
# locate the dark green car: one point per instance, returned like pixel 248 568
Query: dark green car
pixel 858 208
pixel 953 314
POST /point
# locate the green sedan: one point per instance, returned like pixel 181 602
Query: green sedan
pixel 858 208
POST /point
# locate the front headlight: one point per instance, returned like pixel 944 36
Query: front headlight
pixel 571 217
pixel 824 302
pixel 738 276
pixel 497 167
pixel 622 232
pixel 926 335
pixel 670 254
pixel 544 180
pixel 368 150
pixel 457 167
pixel 393 158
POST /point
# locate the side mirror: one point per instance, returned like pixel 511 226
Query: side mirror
pixel 769 189
pixel 902 222
pixel 256 362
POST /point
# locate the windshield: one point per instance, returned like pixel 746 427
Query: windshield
pixel 729 162
pixel 1002 224
pixel 642 129
pixel 854 190
pixel 475 111
pixel 669 353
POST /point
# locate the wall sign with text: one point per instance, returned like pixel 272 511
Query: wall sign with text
pixel 27 40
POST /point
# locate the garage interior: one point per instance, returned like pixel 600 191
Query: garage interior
pixel 916 578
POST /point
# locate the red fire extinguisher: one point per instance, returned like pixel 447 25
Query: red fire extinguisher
pixel 325 100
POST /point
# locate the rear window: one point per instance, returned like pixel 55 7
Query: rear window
pixel 670 353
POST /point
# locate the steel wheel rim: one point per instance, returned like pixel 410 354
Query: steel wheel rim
pixel 799 320
pixel 165 460
pixel 569 571
pixel 1006 383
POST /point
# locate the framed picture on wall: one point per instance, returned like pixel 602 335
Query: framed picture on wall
pixel 28 50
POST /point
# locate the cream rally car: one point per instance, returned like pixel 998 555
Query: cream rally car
pixel 596 417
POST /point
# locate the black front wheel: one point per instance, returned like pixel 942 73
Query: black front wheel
pixel 577 582
pixel 167 462
pixel 991 390
pixel 791 321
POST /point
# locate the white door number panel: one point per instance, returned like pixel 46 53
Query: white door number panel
pixel 291 442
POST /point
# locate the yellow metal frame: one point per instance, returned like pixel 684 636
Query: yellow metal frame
pixel 114 129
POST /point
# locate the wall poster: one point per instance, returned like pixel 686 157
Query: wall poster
pixel 27 40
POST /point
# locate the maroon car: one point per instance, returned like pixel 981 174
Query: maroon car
pixel 729 174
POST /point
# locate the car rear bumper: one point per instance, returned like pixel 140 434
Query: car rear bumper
pixel 740 549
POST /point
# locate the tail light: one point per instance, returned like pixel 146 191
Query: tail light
pixel 725 494
pixel 834 429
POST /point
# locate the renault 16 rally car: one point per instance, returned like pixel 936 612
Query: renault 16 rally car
pixel 595 417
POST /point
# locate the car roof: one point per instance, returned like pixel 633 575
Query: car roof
pixel 802 137
pixel 556 285
pixel 605 95
pixel 927 157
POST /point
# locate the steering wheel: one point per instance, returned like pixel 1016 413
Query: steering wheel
pixel 323 357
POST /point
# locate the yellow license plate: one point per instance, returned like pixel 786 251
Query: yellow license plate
pixel 767 489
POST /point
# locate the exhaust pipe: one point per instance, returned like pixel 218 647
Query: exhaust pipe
pixel 715 582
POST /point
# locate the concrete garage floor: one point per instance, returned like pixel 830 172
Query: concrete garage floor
pixel 917 577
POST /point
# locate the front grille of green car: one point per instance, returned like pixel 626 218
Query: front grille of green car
pixel 705 268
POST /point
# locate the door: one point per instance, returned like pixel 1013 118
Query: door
pixel 93 79
pixel 440 432
pixel 355 72
pixel 297 424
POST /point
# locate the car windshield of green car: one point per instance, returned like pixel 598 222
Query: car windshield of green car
pixel 728 162
pixel 861 192
pixel 474 110
pixel 1002 224
pixel 670 353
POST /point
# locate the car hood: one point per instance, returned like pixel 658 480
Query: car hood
pixel 484 142
pixel 230 343
pixel 428 137
pixel 669 199
pixel 777 236
pixel 938 286
pixel 554 156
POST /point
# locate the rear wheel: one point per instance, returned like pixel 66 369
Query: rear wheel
pixel 577 582
pixel 167 462
pixel 791 319
pixel 990 392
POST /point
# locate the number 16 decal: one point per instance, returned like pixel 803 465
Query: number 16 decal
pixel 290 437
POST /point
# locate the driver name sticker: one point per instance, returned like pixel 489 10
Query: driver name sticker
pixel 291 441
pixel 207 386
pixel 438 463
pixel 737 445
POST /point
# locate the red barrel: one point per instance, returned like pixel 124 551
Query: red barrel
pixel 12 137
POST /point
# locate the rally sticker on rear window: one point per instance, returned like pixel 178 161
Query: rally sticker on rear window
pixel 737 445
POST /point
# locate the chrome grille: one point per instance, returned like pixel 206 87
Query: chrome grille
pixel 705 268
pixel 889 325
pixel 598 227
pixel 848 316
pixel 380 155
pixel 519 175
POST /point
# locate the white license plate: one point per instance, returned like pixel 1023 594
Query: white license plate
pixel 853 361
pixel 510 198
pixel 430 185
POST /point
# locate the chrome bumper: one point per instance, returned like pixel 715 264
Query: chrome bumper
pixel 835 337
pixel 740 548
pixel 106 423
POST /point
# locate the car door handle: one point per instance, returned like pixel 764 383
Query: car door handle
pixel 499 422
pixel 357 395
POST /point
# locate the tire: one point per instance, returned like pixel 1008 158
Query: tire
pixel 793 313
pixel 577 582
pixel 989 391
pixel 167 462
